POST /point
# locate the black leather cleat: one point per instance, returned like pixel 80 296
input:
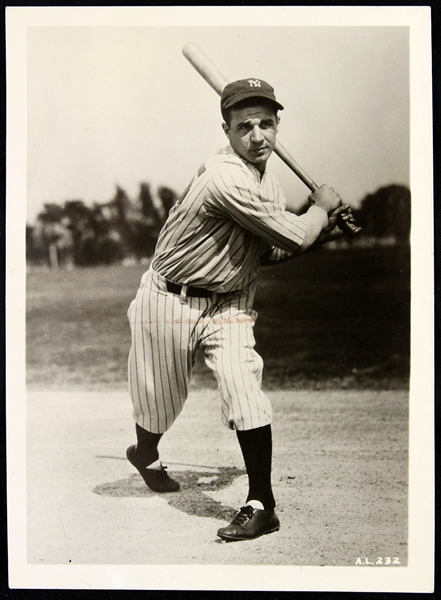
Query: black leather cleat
pixel 157 480
pixel 250 523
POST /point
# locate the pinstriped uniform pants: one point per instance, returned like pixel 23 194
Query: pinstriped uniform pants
pixel 166 332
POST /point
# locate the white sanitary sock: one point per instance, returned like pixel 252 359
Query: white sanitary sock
pixel 155 465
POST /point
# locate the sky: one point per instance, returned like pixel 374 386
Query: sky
pixel 120 105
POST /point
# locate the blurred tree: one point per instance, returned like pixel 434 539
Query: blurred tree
pixel 77 218
pixel 168 198
pixel 148 208
pixel 101 233
pixel 122 204
pixel 398 209
pixel 30 242
pixel 109 248
pixel 52 232
pixel 36 251
pixel 145 223
pixel 387 212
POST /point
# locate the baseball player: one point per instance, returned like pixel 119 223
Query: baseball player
pixel 199 292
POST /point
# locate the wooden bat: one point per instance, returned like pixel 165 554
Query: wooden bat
pixel 209 71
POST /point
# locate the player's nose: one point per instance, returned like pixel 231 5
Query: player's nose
pixel 256 134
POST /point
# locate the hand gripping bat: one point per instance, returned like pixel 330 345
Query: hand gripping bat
pixel 208 70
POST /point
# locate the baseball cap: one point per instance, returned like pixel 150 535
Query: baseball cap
pixel 237 91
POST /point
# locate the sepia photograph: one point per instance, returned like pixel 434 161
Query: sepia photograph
pixel 219 298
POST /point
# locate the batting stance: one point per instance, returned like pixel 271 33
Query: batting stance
pixel 199 292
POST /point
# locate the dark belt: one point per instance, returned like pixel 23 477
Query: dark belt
pixel 192 292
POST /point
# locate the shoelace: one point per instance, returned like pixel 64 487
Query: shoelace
pixel 244 515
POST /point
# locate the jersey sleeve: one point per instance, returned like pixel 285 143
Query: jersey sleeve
pixel 275 256
pixel 232 193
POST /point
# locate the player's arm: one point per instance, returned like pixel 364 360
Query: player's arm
pixel 331 232
pixel 232 193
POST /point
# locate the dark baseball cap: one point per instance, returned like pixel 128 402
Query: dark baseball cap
pixel 237 91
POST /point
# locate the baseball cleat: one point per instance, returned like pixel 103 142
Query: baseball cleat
pixel 250 523
pixel 157 480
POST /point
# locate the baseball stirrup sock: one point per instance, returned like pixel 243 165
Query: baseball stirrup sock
pixel 147 445
pixel 256 446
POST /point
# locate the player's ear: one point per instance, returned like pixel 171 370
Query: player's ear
pixel 277 123
pixel 226 130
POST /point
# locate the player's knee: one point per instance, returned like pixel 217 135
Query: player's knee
pixel 257 363
pixel 244 422
pixel 235 370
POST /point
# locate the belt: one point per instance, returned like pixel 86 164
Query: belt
pixel 195 292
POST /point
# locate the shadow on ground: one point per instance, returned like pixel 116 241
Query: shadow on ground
pixel 191 499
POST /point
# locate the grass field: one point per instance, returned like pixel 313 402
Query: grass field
pixel 329 319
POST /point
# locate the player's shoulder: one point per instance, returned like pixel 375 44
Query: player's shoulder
pixel 271 180
pixel 225 159
pixel 273 189
pixel 223 167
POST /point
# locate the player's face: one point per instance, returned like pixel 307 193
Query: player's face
pixel 252 133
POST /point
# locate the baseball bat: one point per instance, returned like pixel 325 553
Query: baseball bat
pixel 209 71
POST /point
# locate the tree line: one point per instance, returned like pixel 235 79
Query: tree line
pixel 75 234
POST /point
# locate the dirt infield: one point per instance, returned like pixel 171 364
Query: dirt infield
pixel 339 473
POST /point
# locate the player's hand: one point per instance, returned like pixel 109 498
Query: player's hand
pixel 325 197
pixel 332 231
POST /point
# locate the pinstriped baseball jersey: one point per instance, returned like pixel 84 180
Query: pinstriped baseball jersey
pixel 229 217
pixel 228 222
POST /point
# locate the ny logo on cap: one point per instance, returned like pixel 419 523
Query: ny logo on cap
pixel 254 82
